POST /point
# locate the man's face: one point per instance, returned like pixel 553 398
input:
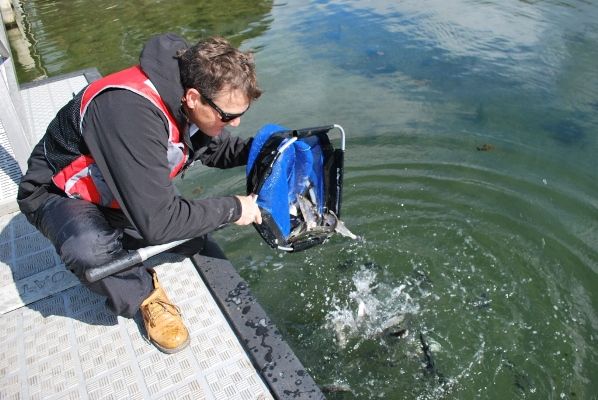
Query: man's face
pixel 207 118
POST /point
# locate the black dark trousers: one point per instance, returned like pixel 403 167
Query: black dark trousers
pixel 85 236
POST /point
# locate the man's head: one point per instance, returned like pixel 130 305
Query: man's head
pixel 219 83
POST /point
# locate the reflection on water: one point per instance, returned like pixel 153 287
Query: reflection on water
pixel 470 173
pixel 67 35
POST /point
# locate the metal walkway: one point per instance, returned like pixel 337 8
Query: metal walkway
pixel 67 345
pixel 58 341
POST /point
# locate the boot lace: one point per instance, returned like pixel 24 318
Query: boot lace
pixel 156 308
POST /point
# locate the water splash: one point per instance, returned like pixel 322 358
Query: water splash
pixel 371 310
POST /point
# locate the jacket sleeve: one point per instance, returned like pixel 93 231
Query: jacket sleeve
pixel 128 138
pixel 222 151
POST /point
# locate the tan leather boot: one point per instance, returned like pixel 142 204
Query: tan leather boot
pixel 163 322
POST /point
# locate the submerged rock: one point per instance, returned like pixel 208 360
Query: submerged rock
pixel 485 147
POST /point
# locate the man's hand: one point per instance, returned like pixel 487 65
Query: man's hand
pixel 250 212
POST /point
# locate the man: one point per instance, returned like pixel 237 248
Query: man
pixel 99 183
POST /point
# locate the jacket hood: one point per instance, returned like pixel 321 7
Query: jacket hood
pixel 158 60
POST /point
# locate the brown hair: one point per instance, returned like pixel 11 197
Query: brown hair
pixel 213 64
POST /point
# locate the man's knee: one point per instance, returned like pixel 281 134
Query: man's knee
pixel 89 249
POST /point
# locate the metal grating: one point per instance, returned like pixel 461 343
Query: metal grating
pixel 58 341
pixel 42 102
pixel 29 267
pixel 69 346
pixel 10 173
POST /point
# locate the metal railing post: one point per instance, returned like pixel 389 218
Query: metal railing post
pixel 12 111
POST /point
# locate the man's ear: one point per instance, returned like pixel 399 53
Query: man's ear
pixel 192 98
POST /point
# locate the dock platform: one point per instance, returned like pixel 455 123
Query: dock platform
pixel 58 340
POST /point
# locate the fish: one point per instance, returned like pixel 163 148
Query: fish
pixel 399 333
pixel 308 211
pixel 314 223
pixel 341 229
pixel 392 327
pixel 395 327
pixel 336 388
pixel 362 311
pixel 429 362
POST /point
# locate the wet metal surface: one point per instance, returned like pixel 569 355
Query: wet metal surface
pixel 271 355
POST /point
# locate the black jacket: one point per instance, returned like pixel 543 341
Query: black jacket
pixel 127 136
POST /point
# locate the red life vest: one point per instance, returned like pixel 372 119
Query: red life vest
pixel 82 179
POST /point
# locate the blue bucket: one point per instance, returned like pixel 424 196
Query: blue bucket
pixel 284 164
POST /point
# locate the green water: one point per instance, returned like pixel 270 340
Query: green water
pixel 491 255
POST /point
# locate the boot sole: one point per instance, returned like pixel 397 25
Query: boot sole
pixel 174 350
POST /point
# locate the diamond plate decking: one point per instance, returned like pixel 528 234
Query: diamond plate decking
pixel 67 344
pixel 10 173
pixel 58 340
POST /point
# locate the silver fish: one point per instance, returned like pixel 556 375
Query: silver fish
pixel 308 211
pixel 314 223
pixel 343 230
pixel 336 388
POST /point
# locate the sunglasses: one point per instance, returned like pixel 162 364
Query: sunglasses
pixel 224 116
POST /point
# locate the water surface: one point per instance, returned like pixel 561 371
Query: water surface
pixel 470 175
